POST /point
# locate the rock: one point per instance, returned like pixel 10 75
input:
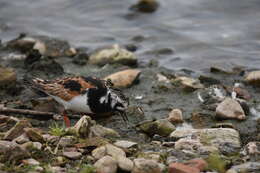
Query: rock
pixel 100 131
pixel 99 152
pixel 197 163
pixel 31 161
pixel 225 139
pixel 37 145
pixel 187 83
pixel 67 141
pixel 57 169
pixel 212 94
pixel 145 6
pixel 222 68
pixel 51 139
pixel 7 77
pixel 72 155
pixel 146 166
pixel 125 164
pixel 80 59
pixel 17 130
pixel 32 146
pixel 112 55
pixel 217 162
pixel 252 151
pixel 230 109
pixel 82 127
pixel 22 43
pixel 162 78
pixel 161 127
pixel 126 144
pixel 245 167
pixel 22 139
pixel 34 134
pixel 106 165
pixel 11 151
pixel 209 80
pixel 156 156
pixel 253 78
pixel 175 116
pixel 7 122
pixel 114 151
pixel 182 168
pixel 92 142
pixel 125 78
pixel 242 93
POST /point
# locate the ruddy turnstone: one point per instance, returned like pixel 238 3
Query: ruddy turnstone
pixel 84 95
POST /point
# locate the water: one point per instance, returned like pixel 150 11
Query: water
pixel 201 32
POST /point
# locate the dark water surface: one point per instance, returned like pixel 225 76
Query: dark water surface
pixel 201 32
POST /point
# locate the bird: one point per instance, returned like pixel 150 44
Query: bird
pixel 90 95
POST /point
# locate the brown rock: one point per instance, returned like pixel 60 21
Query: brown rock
pixel 146 166
pixel 175 116
pixel 34 134
pixel 7 76
pixel 125 78
pixel 72 155
pixel 187 83
pixel 253 78
pixel 197 163
pixel 230 109
pixel 145 6
pixel 17 130
pixel 242 93
pixel 181 168
pixel 106 165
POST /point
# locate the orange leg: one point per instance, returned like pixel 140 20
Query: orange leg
pixel 66 119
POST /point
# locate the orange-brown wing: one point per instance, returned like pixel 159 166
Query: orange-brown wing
pixel 65 88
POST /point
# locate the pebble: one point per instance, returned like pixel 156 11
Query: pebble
pixel 175 116
pixel 253 78
pixel 125 164
pixel 72 155
pixel 31 161
pixel 125 144
pixel 106 165
pixel 67 141
pixel 34 134
pixel 188 83
pixel 145 6
pixel 230 109
pixel 253 167
pixel 125 78
pixel 17 130
pixel 114 151
pixel 146 166
pixel 199 163
pixel 7 76
pixel 99 152
pixel 182 168
pixel 22 139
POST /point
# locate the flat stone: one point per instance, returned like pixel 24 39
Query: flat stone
pixel 111 55
pixel 146 166
pixel 253 167
pixel 100 131
pixel 125 78
pixel 106 165
pixel 253 78
pixel 188 83
pixel 182 168
pixel 22 139
pixel 175 116
pixel 17 130
pixel 114 151
pixel 125 164
pixel 34 134
pixel 72 155
pixel 99 152
pixel 198 163
pixel 230 109
pixel 67 141
pixel 126 144
pixel 31 161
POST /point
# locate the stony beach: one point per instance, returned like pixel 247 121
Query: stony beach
pixel 179 121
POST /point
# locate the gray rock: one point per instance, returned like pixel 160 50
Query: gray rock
pixel 111 55
pixel 161 127
pixel 227 140
pixel 31 161
pixel 253 78
pixel 67 141
pixel 37 145
pixel 252 151
pixel 100 131
pixel 99 152
pixel 146 166
pixel 106 165
pixel 230 109
pixel 51 139
pixel 175 116
pixel 22 139
pixel 34 134
pixel 72 155
pixel 253 167
pixel 114 151
pixel 17 130
pixel 125 164
pixel 126 144
pixel 187 83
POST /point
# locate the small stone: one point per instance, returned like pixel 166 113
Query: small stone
pixel 39 169
pixel 34 134
pixel 72 155
pixel 99 152
pixel 82 127
pixel 145 6
pixel 230 109
pixel 125 78
pixel 112 55
pixel 58 169
pixel 17 130
pixel 225 68
pixel 171 159
pixel 175 116
pixel 22 139
pixel 37 145
pixel 253 78
pixel 126 144
pixel 182 168
pixel 51 139
pixel 106 165
pixel 100 131
pixel 253 167
pixel 146 166
pixel 114 151
pixel 7 77
pixel 197 163
pixel 187 83
pixel 162 78
pixel 67 141
pixel 7 122
pixel 125 164
pixel 242 93
pixel 161 127
pixel 31 161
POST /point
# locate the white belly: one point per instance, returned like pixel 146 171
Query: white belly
pixel 77 104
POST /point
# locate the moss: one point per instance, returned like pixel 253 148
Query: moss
pixel 87 168
pixel 57 130
pixel 217 162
